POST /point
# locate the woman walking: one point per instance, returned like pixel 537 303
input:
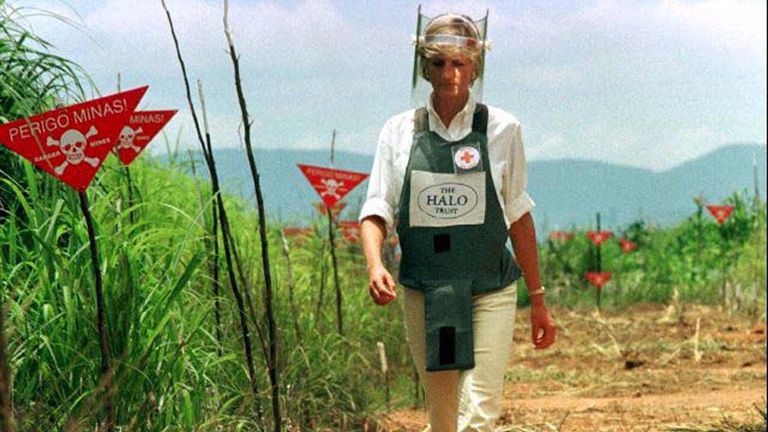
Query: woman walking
pixel 449 177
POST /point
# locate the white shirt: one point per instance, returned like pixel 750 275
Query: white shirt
pixel 505 151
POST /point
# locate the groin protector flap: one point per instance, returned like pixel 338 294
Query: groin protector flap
pixel 448 313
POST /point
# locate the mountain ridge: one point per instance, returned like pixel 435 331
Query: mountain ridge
pixel 567 192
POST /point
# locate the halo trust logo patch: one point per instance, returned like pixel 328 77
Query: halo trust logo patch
pixel 448 200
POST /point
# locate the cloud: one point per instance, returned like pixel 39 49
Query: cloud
pixel 724 25
pixel 614 142
pixel 603 79
pixel 681 145
pixel 550 146
pixel 715 28
pixel 597 140
pixel 641 40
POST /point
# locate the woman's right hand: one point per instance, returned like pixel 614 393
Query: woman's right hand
pixel 381 286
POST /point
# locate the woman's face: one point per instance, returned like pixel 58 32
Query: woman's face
pixel 450 75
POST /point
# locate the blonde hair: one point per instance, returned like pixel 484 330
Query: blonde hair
pixel 453 25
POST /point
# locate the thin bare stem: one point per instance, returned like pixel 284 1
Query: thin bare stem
pixel 334 264
pixel 100 314
pixel 6 402
pixel 207 149
pixel 214 239
pixel 271 324
pixel 291 287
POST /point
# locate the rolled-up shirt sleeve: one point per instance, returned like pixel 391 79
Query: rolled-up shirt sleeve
pixel 381 196
pixel 517 202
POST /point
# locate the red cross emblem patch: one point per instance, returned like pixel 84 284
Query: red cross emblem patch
pixel 466 157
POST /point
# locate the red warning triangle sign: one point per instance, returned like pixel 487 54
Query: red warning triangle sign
pixel 350 230
pixel 598 279
pixel 598 237
pixel 720 213
pixel 71 143
pixel 136 135
pixel 331 184
pixel 297 231
pixel 560 235
pixel 627 246
pixel 299 235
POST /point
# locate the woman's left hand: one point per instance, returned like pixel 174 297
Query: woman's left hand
pixel 542 326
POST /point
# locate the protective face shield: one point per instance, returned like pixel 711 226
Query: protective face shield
pixel 446 33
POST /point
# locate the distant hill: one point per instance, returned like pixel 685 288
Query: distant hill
pixel 572 191
pixel 566 191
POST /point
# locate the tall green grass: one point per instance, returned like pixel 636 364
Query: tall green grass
pixel 160 319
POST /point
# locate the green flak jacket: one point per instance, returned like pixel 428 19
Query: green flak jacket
pixel 453 236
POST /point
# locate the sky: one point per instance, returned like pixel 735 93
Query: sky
pixel 649 84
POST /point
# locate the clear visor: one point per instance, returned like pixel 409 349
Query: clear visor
pixel 421 89
pixel 468 43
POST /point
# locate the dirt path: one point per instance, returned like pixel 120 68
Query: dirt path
pixel 654 412
pixel 643 369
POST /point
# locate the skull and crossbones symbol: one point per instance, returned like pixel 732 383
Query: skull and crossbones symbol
pixel 73 143
pixel 126 139
pixel 331 185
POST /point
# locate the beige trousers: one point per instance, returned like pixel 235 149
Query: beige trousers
pixel 466 400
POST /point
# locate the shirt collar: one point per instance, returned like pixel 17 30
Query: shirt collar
pixel 460 125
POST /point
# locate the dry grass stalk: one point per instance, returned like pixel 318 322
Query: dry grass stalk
pixel 696 352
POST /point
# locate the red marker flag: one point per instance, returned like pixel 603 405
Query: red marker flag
pixel 335 210
pixel 598 279
pixel 627 246
pixel 331 184
pixel 720 213
pixel 71 143
pixel 351 230
pixel 136 135
pixel 598 237
pixel 560 235
pixel 298 233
